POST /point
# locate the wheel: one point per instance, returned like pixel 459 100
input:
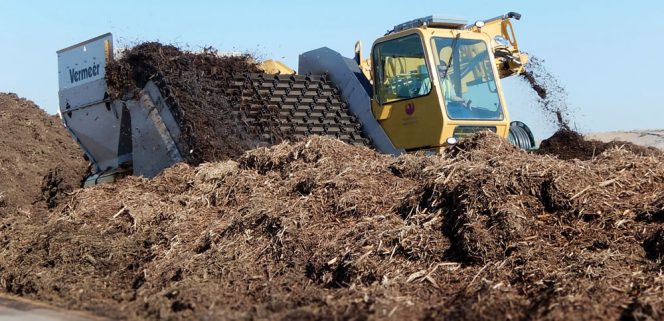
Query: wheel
pixel 521 136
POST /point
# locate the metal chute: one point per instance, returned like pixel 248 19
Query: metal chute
pixel 138 134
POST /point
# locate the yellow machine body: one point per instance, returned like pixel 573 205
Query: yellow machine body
pixel 423 121
pixel 275 67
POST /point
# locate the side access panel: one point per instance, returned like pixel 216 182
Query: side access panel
pixel 354 88
pixel 93 120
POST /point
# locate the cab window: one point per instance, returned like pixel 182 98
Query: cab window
pixel 467 79
pixel 400 69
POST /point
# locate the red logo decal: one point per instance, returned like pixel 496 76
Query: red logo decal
pixel 410 109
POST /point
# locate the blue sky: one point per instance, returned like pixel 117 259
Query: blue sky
pixel 606 53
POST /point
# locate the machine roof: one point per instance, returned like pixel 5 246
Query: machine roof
pixel 432 21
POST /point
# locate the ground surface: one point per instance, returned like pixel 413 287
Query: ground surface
pixel 17 309
pixel 654 138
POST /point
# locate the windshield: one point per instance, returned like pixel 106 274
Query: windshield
pixel 466 78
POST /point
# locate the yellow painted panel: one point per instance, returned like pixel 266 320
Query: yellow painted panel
pixel 414 123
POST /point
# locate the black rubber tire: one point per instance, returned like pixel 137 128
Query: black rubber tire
pixel 521 136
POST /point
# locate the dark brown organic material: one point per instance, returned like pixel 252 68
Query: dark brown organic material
pixel 568 144
pixel 321 229
pixel 38 159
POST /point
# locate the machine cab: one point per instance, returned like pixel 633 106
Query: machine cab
pixel 435 79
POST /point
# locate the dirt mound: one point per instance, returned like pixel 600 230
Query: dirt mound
pixel 38 158
pixel 324 230
pixel 567 144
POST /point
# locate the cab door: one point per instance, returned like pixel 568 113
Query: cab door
pixel 405 102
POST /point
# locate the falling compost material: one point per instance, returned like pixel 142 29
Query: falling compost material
pixel 552 96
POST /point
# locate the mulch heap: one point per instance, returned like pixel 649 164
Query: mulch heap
pixel 319 229
pixel 38 159
pixel 568 144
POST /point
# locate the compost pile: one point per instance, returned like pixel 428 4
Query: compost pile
pixel 319 229
pixel 568 144
pixel 38 159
